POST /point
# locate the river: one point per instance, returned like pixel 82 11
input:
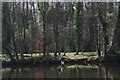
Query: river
pixel 67 71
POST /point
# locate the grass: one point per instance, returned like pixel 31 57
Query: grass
pixel 72 54
pixel 51 55
pixel 81 66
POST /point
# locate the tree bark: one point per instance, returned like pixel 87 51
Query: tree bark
pixel 116 38
pixel 104 24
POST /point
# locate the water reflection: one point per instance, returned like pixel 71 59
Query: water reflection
pixel 67 71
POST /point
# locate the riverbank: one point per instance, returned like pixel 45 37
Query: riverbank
pixel 73 60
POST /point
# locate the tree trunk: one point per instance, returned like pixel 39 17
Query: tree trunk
pixel 9 53
pixel 79 24
pixel 116 38
pixel 104 23
pixel 56 30
pixel 44 36
pixel 98 42
pixel 13 33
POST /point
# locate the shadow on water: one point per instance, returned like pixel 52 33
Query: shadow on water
pixel 66 71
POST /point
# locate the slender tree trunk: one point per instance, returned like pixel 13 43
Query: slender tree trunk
pixel 56 30
pixel 105 25
pixel 65 45
pixel 44 36
pixel 56 40
pixel 15 48
pixel 13 33
pixel 98 42
pixel 79 24
pixel 23 23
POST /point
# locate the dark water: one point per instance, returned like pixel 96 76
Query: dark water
pixel 66 71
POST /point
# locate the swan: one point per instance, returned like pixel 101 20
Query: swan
pixel 62 62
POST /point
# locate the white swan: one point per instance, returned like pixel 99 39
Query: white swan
pixel 62 62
